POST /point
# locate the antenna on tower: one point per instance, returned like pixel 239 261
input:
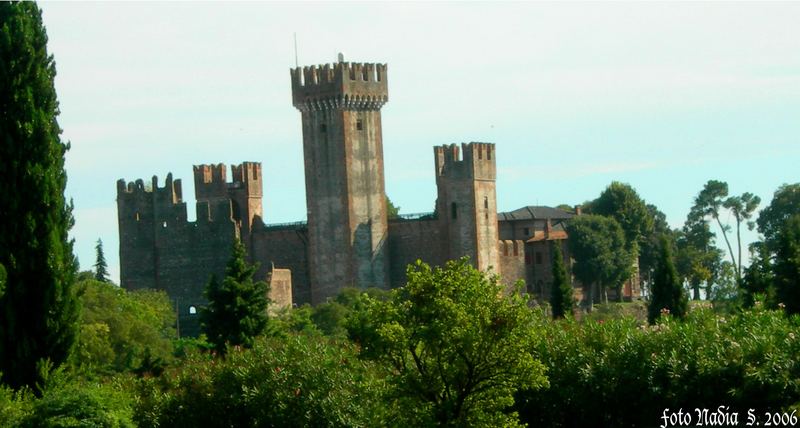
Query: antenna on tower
pixel 296 64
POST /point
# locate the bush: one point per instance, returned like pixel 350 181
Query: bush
pixel 622 374
pixel 297 380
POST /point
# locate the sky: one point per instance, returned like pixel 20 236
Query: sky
pixel 663 96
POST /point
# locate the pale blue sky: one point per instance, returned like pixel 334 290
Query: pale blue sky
pixel 664 96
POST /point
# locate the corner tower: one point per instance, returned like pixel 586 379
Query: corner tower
pixel 345 197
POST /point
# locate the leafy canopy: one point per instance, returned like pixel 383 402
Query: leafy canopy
pixel 455 347
pixel 601 256
pixel 668 295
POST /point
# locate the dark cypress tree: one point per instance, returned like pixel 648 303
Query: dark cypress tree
pixel 787 265
pixel 668 293
pixel 237 307
pixel 100 265
pixel 561 297
pixel 38 311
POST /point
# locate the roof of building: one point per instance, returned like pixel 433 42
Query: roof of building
pixel 534 213
pixel 544 236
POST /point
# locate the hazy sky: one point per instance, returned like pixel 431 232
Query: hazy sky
pixel 664 96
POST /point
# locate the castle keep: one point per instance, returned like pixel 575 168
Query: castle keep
pixel 348 239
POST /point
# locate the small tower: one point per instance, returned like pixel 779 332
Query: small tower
pixel 343 150
pixel 467 203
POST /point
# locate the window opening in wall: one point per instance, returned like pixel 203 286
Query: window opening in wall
pixel 453 210
pixel 359 125
pixel 323 127
pixel 538 258
pixel 192 310
pixel 527 231
pixel 164 224
pixel 486 202
pixel 137 216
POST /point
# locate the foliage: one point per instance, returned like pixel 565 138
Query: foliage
pixel 787 265
pixel 759 277
pixel 392 211
pixel 119 329
pixel 39 308
pixel 601 256
pixel 649 244
pixel 711 200
pixel 619 373
pixel 561 298
pixel 453 345
pixel 622 203
pixel 698 260
pixel 785 203
pixel 100 265
pixel 668 295
pixel 298 381
pixel 2 280
pixel 237 308
pixel 725 294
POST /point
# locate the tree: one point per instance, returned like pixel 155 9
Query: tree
pixel 39 309
pixel 455 346
pixel 237 307
pixel 392 211
pixel 667 292
pixel 649 243
pixel 621 202
pixel 759 277
pixel 2 281
pixel 708 203
pixel 601 256
pixel 787 264
pixel 561 295
pixel 100 265
pixel 785 203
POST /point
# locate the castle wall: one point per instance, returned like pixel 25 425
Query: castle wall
pixel 286 248
pixel 410 240
pixel 511 260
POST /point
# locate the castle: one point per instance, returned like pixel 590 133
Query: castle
pixel 348 239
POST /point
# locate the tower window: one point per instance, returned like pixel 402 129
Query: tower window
pixel 486 202
pixel 359 125
pixel 137 216
pixel 192 310
pixel 453 210
pixel 323 128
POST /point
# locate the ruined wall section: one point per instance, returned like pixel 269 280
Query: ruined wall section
pixel 343 153
pixel 412 240
pixel 467 202
pixel 285 248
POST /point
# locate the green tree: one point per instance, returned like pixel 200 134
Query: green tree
pixel 602 258
pixel 119 328
pixel 649 244
pixel 667 292
pixel 709 203
pixel 759 277
pixel 621 202
pixel 237 307
pixel 100 265
pixel 39 309
pixel 2 281
pixel 561 294
pixel 787 265
pixel 785 203
pixel 392 211
pixel 455 346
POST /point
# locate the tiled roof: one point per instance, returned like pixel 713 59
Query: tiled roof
pixel 534 213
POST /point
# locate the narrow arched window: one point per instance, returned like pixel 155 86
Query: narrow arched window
pixel 192 310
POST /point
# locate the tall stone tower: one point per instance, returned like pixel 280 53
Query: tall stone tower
pixel 467 202
pixel 343 149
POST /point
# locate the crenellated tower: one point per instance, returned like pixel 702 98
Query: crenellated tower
pixel 343 150
pixel 467 203
pixel 242 196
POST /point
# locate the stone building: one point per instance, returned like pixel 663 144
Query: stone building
pixel 348 239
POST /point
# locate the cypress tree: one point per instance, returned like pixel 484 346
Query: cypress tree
pixel 100 265
pixel 561 297
pixel 38 312
pixel 237 307
pixel 668 292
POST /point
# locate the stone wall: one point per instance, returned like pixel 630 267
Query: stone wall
pixel 280 289
pixel 285 248
pixel 410 240
pixel 512 261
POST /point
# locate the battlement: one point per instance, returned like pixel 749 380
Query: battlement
pixel 471 160
pixel 211 181
pixel 172 191
pixel 339 85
